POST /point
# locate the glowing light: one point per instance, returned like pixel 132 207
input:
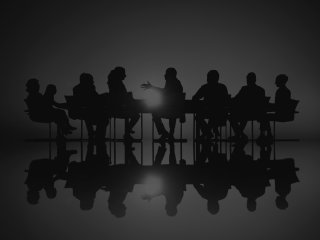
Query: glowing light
pixel 153 185
pixel 153 98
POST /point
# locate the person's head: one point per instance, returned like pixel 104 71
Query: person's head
pixel 120 73
pixel 171 73
pixel 251 79
pixel 117 209
pixel 213 206
pixel 33 85
pixel 50 90
pixel 86 79
pixel 51 192
pixel 171 209
pixel 33 197
pixel 212 76
pixel 251 204
pixel 86 203
pixel 281 80
pixel 282 203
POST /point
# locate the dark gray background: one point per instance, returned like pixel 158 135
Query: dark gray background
pixel 55 41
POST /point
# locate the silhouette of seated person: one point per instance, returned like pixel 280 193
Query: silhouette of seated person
pixel 88 107
pixel 216 98
pixel 34 101
pixel 53 111
pixel 172 93
pixel 284 176
pixel 216 183
pixel 249 104
pixel 248 176
pixel 283 102
pixel 121 100
pixel 41 108
pixel 173 185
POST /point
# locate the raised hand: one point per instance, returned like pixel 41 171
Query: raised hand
pixel 146 86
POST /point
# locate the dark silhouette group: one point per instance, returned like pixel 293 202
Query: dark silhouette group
pixel 217 106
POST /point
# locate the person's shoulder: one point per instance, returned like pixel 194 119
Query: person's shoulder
pixel 76 87
pixel 221 85
pixel 205 86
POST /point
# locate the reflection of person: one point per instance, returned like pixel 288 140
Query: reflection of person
pixel 249 176
pixel 284 176
pixel 43 173
pixel 216 97
pixel 172 92
pixel 173 186
pixel 85 177
pixel 40 176
pixel 121 99
pixel 216 182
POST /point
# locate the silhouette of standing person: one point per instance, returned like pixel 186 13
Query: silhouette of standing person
pixel 121 99
pixel 171 92
pixel 86 98
pixel 216 98
pixel 248 104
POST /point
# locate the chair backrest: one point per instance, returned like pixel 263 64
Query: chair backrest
pixel 286 113
pixel 37 116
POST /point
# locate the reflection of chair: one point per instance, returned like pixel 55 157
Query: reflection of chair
pixel 172 107
pixel 40 118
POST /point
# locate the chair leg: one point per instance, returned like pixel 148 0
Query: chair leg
pixel 50 136
pixel 252 130
pixel 274 139
pixel 152 130
pixel 81 129
pixel 114 129
pixel 141 126
pixel 193 127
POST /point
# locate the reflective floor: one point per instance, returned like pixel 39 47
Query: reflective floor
pixel 160 191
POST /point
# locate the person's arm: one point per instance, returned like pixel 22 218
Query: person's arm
pixel 199 94
pixel 148 85
pixel 60 105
